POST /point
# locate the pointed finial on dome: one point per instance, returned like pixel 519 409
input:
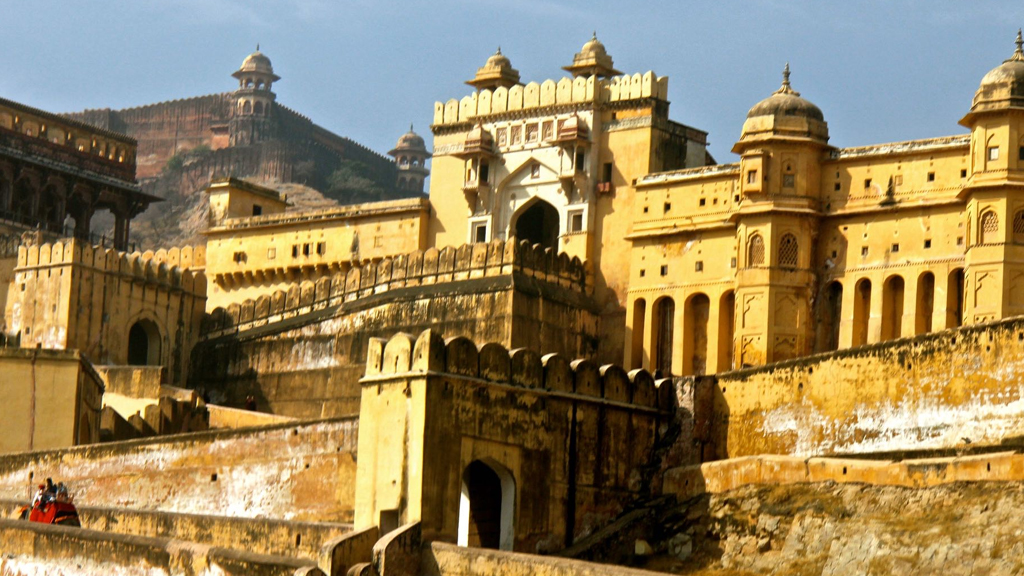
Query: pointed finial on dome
pixel 499 50
pixel 257 46
pixel 1018 54
pixel 786 88
pixel 410 127
pixel 594 35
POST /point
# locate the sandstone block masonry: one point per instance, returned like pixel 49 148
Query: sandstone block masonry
pixel 115 307
pixel 442 409
pixel 946 390
pixel 301 352
pixel 295 471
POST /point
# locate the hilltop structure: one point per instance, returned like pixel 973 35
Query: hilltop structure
pixel 185 144
pixel 428 341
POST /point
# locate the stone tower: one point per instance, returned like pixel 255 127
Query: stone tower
pixel 410 154
pixel 254 99
pixel 783 139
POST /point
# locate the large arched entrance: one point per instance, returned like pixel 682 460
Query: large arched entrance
pixel 487 506
pixel 144 344
pixel 538 224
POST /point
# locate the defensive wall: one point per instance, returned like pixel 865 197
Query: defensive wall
pixel 767 469
pixel 441 405
pixel 32 548
pixel 567 91
pixel 947 389
pixel 301 352
pixel 50 398
pixel 76 295
pixel 259 535
pixel 293 471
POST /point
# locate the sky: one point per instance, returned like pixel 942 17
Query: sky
pixel 881 71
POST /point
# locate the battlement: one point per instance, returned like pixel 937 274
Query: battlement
pixel 492 363
pixel 419 268
pixel 169 268
pixel 566 91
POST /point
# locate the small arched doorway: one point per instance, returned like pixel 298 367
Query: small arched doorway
pixel 144 344
pixel 538 224
pixel 487 506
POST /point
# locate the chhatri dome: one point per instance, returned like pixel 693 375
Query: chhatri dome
pixel 783 115
pixel 255 64
pixel 786 102
pixel 496 72
pixel 410 142
pixel 592 60
pixel 1003 86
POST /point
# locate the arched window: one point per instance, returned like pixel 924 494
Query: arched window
pixel 831 317
pixel 258 109
pixel 246 107
pixel 726 308
pixel 487 507
pixel 539 224
pixel 697 311
pixel 925 303
pixel 861 312
pixel 755 251
pixel 1018 227
pixel 664 332
pixel 989 227
pixel 892 307
pixel 144 344
pixel 639 321
pixel 788 251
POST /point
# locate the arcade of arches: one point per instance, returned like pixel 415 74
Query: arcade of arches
pixel 700 338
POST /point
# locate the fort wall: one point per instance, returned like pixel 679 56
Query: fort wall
pixel 33 548
pixel 234 473
pixel 301 352
pixel 943 390
pixel 257 535
pixel 86 297
pixel 589 431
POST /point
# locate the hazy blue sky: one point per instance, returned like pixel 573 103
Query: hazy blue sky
pixel 880 71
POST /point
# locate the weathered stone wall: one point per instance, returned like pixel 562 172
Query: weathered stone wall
pixel 32 548
pixel 939 390
pixel 437 406
pixel 786 515
pixel 50 399
pixel 258 535
pixel 301 352
pixel 300 471
pixel 85 297
pixel 442 559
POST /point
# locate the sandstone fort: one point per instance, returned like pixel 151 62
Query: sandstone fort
pixel 553 336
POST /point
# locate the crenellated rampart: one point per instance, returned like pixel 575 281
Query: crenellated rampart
pixel 493 363
pixel 300 352
pixel 169 268
pixel 589 431
pixel 75 295
pixel 564 92
pixel 420 268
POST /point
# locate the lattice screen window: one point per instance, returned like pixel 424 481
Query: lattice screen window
pixel 788 251
pixel 989 228
pixel 755 251
pixel 1018 227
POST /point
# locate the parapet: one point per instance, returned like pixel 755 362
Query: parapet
pixel 550 93
pixel 492 363
pixel 419 268
pixel 168 268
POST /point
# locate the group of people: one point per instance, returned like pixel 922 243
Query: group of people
pixel 51 492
